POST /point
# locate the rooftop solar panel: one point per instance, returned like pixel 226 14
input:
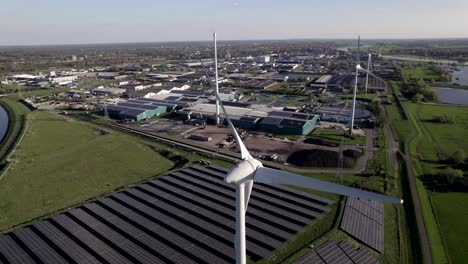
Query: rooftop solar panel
pixel 132 112
pixel 271 121
pixel 300 116
pixel 292 123
pixel 138 106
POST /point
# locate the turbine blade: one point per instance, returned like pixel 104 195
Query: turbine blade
pixel 248 190
pixel 370 73
pixel 244 152
pixel 272 176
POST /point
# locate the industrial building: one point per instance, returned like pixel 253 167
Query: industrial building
pixel 108 91
pixel 259 84
pixel 139 109
pixel 243 115
pixel 289 123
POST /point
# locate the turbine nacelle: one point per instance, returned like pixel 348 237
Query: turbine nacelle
pixel 243 171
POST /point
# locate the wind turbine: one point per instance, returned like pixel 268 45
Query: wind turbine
pixel 368 72
pixel 251 170
pixel 369 62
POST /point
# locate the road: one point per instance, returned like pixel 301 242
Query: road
pixel 393 146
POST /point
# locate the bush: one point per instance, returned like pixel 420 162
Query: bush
pixel 444 119
pixel 416 89
pixel 452 175
pixel 458 157
pixel 417 98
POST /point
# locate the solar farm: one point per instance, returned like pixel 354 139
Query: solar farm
pixel 364 220
pixel 187 216
pixel 338 253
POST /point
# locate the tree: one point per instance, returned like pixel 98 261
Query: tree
pixel 458 157
pixel 417 98
pixel 452 175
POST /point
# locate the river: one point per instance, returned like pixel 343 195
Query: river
pixel 452 96
pixel 3 123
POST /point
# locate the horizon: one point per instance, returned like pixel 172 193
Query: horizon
pixel 209 40
pixel 52 22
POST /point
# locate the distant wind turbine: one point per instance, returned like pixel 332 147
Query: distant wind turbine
pixel 359 68
pixel 251 170
pixel 369 61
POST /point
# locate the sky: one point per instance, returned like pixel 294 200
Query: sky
pixel 33 22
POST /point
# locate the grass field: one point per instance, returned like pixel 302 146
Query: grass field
pixel 434 143
pixel 400 125
pixel 336 135
pixel 420 73
pixel 62 162
pixel 452 215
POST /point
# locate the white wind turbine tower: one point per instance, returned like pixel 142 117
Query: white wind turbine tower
pixel 216 78
pixel 251 170
pixel 368 70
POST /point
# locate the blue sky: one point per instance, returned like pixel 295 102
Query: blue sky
pixel 27 22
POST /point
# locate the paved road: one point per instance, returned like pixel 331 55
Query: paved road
pixel 393 146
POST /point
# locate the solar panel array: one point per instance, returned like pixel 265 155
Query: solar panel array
pixel 341 253
pixel 187 216
pixel 364 220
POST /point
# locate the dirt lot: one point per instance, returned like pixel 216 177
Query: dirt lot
pixel 258 143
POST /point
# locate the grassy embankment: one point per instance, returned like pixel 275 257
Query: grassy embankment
pixel 434 144
pixel 16 125
pixel 430 148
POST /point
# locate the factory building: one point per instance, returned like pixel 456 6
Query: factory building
pixel 336 119
pixel 139 109
pixel 108 91
pixel 245 122
pixel 289 123
pixel 263 59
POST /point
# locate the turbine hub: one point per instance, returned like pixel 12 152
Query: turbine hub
pixel 243 171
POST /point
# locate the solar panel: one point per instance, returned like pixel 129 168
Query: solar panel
pixel 184 217
pixel 337 253
pixel 364 220
pixel 292 123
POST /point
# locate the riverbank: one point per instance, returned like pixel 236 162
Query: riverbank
pixel 16 125
pixel 3 123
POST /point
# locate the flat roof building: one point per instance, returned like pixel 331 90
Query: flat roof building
pixel 108 91
pixel 138 109
pixel 289 123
